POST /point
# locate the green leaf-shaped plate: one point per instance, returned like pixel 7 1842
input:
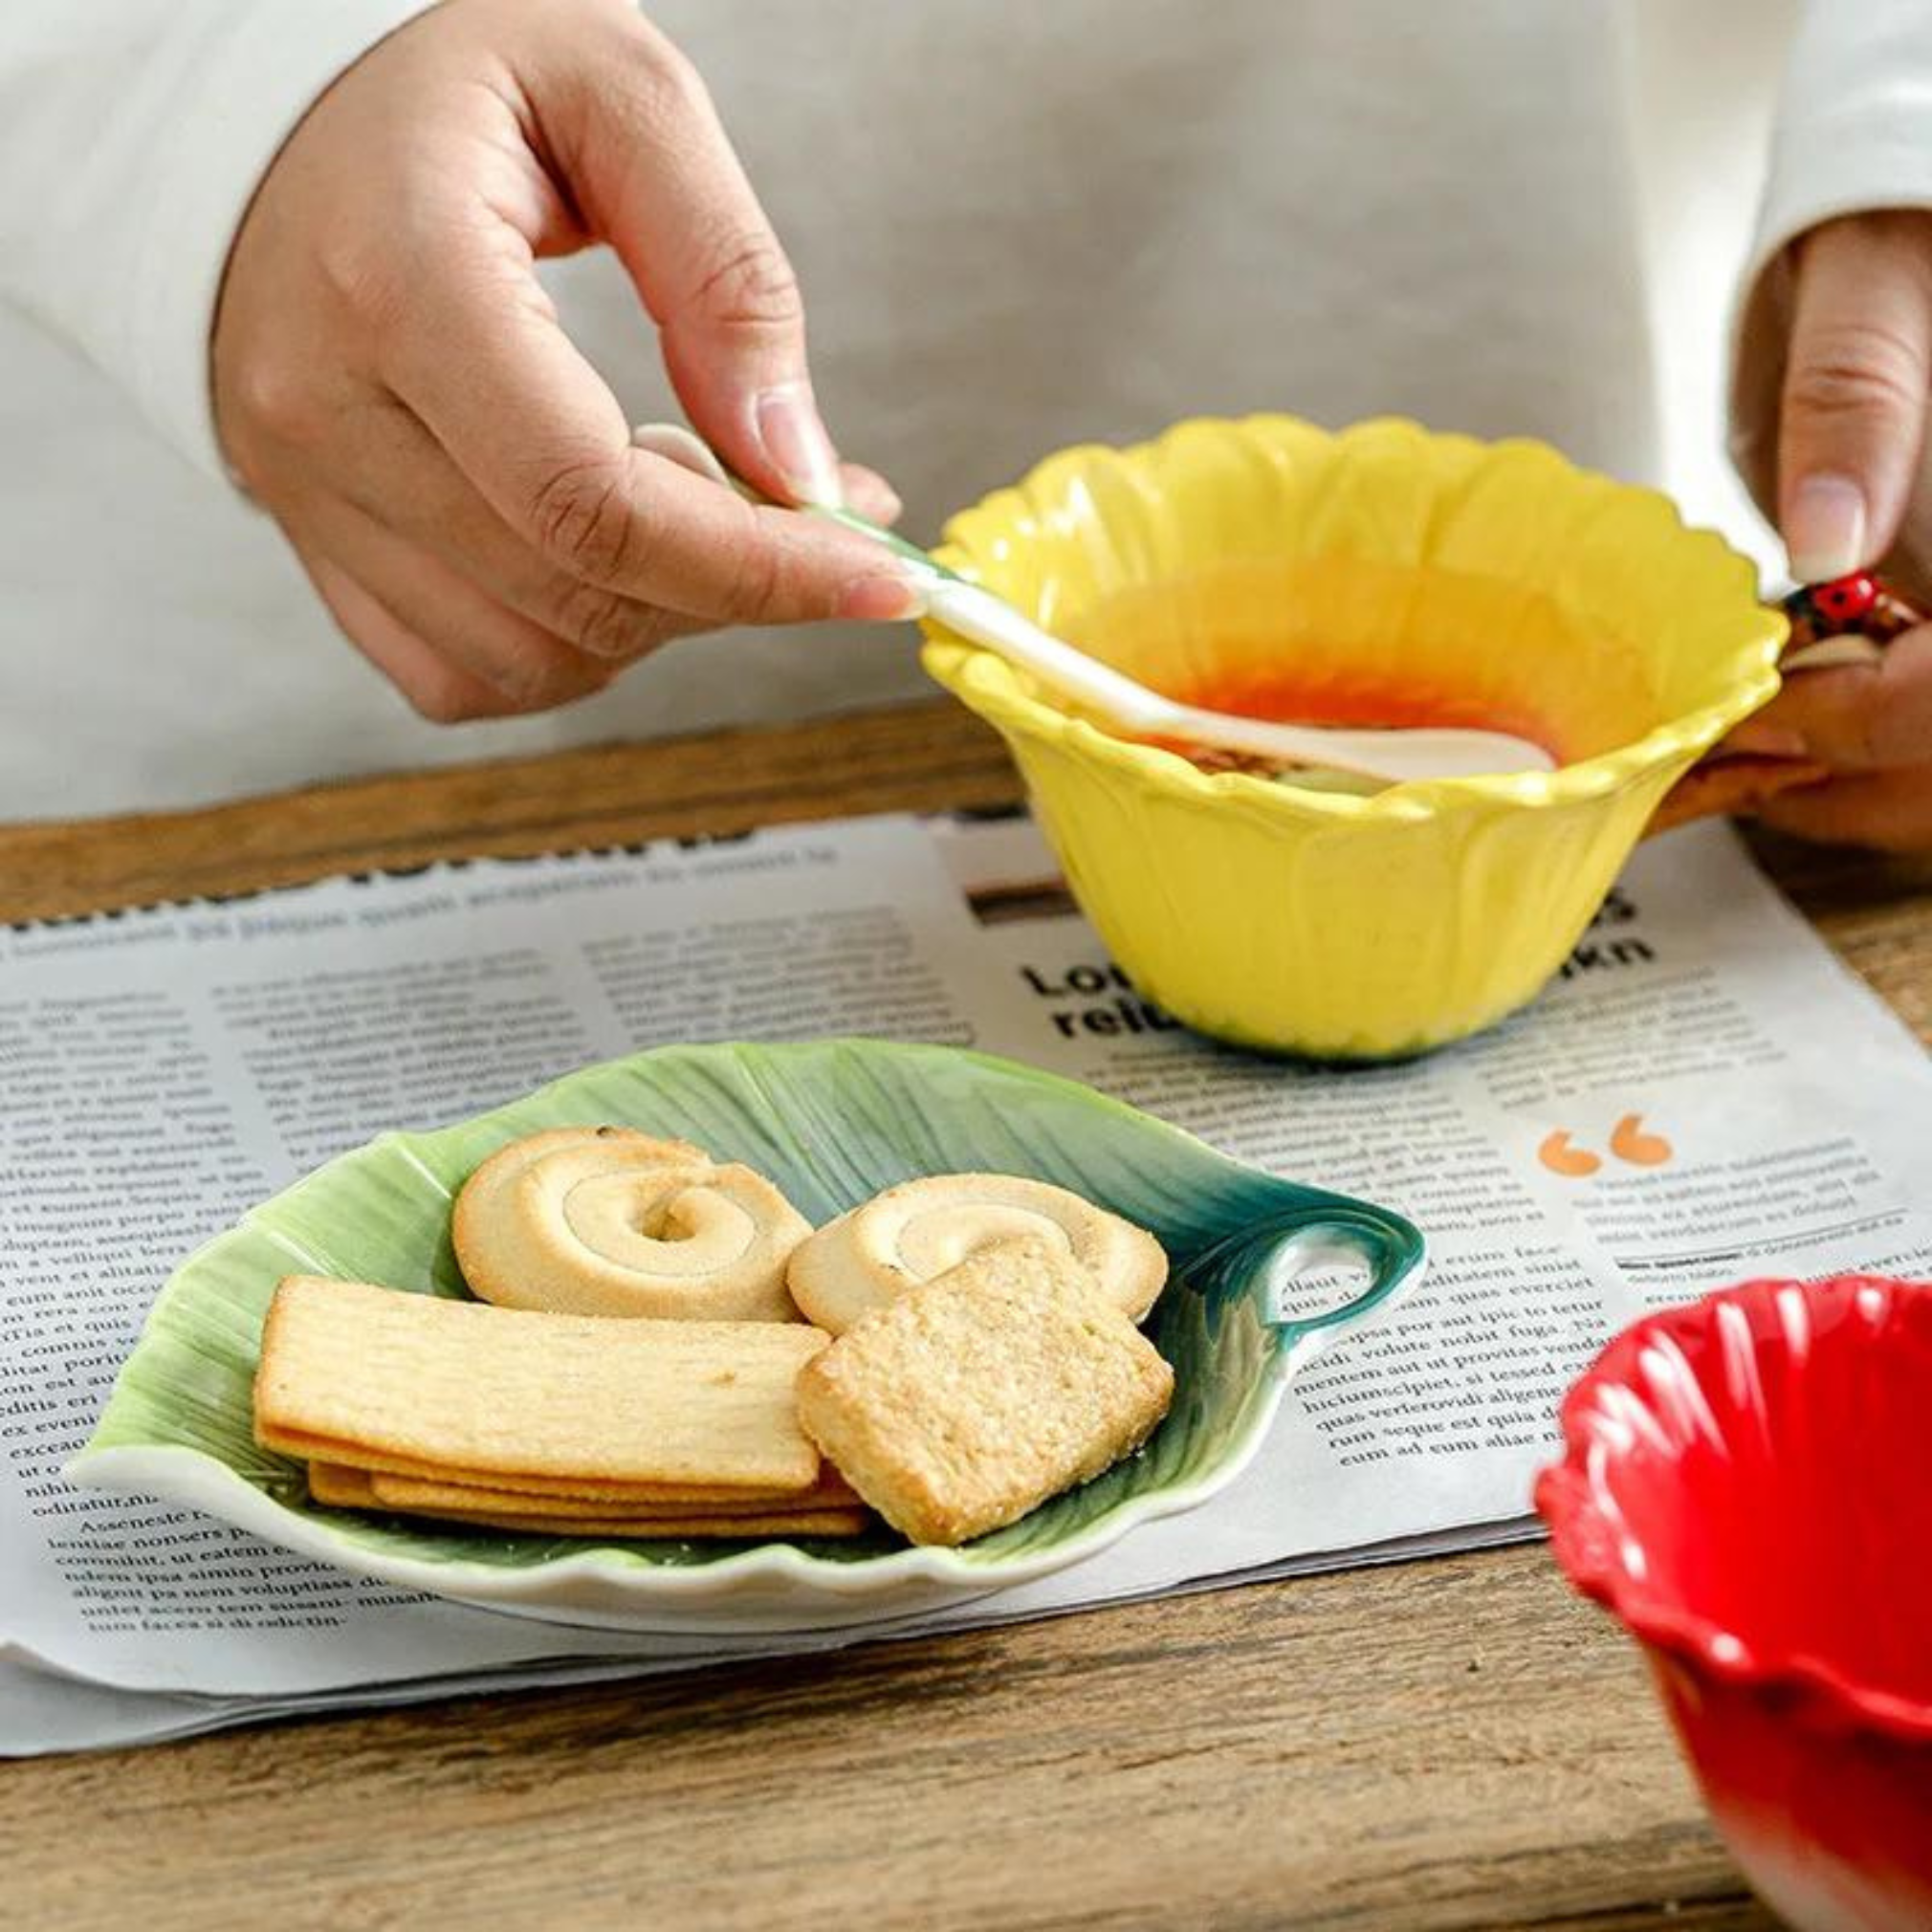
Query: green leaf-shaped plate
pixel 832 1122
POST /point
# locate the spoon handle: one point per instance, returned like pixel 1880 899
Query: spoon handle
pixel 978 615
pixel 959 604
pixel 900 546
pixel 987 620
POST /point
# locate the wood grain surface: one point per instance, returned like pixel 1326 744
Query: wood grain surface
pixel 1454 1743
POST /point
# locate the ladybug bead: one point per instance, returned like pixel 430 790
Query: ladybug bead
pixel 1845 601
pixel 1859 603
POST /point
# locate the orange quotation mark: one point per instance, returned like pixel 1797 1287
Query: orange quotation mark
pixel 1628 1141
pixel 1571 1162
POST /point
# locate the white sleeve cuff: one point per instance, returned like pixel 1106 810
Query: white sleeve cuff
pixel 133 139
pixel 259 77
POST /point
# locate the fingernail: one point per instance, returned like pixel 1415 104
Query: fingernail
pixel 1825 529
pixel 1767 741
pixel 882 597
pixel 797 443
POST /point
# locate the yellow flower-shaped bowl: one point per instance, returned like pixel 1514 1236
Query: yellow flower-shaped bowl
pixel 1380 575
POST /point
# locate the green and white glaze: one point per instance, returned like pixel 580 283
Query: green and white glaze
pixel 832 1122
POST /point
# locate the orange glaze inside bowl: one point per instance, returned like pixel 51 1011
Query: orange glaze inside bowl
pixel 1337 642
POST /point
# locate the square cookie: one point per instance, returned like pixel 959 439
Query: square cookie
pixel 962 1404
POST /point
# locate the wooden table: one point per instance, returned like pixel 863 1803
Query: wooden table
pixel 1449 1744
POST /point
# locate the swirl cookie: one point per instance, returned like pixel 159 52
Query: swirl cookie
pixel 923 1229
pixel 605 1220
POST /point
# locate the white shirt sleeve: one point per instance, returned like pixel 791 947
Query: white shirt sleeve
pixel 132 136
pixel 1854 133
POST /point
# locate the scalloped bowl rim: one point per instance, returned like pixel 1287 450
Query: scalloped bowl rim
pixel 1567 1498
pixel 1750 661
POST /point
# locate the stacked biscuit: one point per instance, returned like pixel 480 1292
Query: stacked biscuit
pixel 523 1421
pixel 970 1349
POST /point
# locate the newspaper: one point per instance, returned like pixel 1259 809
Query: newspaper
pixel 1704 1094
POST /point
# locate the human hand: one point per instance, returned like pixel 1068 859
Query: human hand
pixel 393 385
pixel 1848 484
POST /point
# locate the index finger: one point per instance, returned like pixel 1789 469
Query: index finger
pixel 484 362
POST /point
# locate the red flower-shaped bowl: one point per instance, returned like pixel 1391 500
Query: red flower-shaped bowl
pixel 1747 1482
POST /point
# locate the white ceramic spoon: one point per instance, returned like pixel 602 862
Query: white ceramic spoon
pixel 977 614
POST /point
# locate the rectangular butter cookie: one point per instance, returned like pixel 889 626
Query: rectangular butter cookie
pixel 456 1494
pixel 465 1385
pixel 352 1489
pixel 539 1490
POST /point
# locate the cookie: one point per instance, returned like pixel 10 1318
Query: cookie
pixel 917 1230
pixel 341 1488
pixel 605 1220
pixel 965 1402
pixel 536 1490
pixel 457 1497
pixel 462 1384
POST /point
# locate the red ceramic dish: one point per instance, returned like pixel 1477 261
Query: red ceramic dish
pixel 1746 1483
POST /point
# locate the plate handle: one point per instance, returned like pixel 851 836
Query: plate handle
pixel 1288 1242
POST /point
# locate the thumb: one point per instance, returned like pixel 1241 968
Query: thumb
pixel 1855 389
pixel 649 164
